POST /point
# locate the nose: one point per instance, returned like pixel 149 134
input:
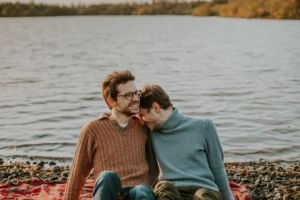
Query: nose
pixel 136 94
pixel 135 97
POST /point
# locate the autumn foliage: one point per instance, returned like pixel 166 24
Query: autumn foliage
pixel 275 9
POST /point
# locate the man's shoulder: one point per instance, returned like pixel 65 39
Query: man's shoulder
pixel 138 120
pixel 204 120
pixel 198 121
pixel 99 121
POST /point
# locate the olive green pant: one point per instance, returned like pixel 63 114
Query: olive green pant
pixel 165 190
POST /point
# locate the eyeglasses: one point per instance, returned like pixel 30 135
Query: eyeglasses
pixel 129 95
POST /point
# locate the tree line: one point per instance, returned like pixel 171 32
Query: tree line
pixel 273 9
pixel 278 9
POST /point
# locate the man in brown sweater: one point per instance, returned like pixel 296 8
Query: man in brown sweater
pixel 114 145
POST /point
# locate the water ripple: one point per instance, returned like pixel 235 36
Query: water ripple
pixel 50 82
pixel 225 94
pixel 267 151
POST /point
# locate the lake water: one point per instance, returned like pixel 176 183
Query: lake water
pixel 243 74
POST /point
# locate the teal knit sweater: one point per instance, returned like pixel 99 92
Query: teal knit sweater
pixel 189 153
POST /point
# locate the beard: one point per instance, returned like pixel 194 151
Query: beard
pixel 131 109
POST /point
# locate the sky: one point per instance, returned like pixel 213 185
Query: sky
pixel 68 2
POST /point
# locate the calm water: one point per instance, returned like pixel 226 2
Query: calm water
pixel 243 74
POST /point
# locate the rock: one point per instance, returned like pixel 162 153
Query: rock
pixel 14 182
pixel 55 178
pixel 258 180
pixel 63 179
pixel 296 188
pixel 65 174
pixel 267 178
pixel 56 169
pixel 52 163
pixel 41 164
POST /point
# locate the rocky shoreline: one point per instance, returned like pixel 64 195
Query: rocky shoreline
pixel 267 179
pixel 263 179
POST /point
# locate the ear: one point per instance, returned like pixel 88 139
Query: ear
pixel 156 107
pixel 111 102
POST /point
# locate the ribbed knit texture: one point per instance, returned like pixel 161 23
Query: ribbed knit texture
pixel 189 153
pixel 103 145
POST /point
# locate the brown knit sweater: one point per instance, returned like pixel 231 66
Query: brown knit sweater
pixel 103 145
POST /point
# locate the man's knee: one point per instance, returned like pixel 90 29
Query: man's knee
pixel 108 177
pixel 107 186
pixel 164 185
pixel 167 191
pixel 108 180
pixel 141 192
pixel 203 193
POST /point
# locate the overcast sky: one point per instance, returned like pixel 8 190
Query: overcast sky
pixel 68 2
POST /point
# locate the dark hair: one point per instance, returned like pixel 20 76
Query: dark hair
pixel 154 93
pixel 110 83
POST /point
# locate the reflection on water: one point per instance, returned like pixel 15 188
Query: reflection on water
pixel 243 74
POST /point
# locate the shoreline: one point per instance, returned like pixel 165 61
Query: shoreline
pixel 273 9
pixel 263 179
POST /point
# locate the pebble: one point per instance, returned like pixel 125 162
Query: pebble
pixel 65 174
pixel 41 164
pixel 56 169
pixel 52 163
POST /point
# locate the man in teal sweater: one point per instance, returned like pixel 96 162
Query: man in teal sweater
pixel 188 151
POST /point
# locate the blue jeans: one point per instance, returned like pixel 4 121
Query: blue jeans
pixel 108 187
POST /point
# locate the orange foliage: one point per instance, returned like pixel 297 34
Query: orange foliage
pixel 277 9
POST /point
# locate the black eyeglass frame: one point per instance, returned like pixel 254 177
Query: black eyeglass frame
pixel 129 95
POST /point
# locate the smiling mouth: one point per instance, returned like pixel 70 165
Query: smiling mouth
pixel 134 104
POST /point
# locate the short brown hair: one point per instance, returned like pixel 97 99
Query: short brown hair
pixel 154 93
pixel 110 83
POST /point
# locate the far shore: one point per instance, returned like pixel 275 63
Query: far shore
pixel 267 9
pixel 263 179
